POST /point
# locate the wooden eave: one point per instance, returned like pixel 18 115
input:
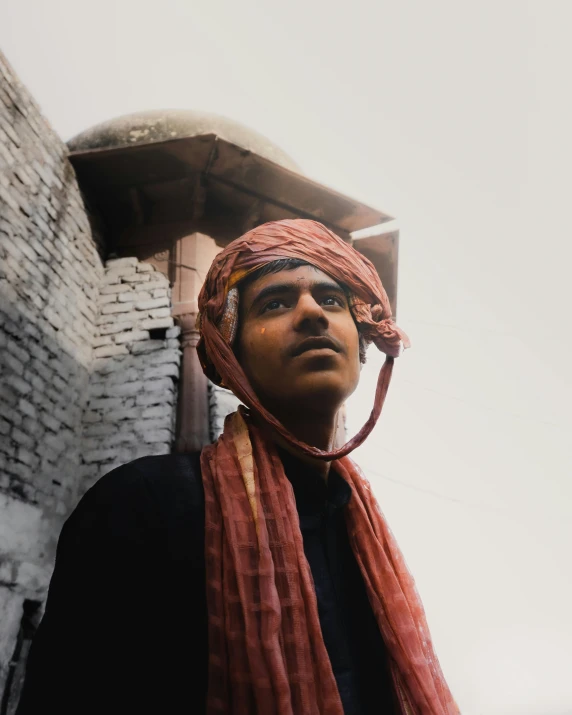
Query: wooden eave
pixel 235 178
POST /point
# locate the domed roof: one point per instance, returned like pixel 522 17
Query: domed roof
pixel 163 125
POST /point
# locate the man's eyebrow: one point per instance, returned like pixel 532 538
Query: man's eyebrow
pixel 290 287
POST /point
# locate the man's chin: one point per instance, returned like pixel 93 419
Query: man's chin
pixel 320 391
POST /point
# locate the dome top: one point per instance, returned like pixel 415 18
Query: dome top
pixel 164 125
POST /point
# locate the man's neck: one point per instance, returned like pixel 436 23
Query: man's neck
pixel 317 430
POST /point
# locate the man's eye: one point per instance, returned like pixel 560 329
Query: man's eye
pixel 333 300
pixel 272 305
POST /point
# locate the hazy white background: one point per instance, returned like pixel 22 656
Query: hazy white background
pixel 456 117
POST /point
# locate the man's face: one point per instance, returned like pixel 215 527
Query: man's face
pixel 297 341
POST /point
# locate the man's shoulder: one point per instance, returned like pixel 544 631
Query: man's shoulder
pixel 162 477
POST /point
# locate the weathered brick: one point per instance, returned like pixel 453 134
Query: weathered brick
pixel 152 424
pixel 57 381
pixel 165 356
pixel 173 332
pixel 161 385
pixel 8 447
pixel 27 457
pixel 124 414
pixel 110 350
pixel 168 370
pixel 44 371
pixel 50 422
pixel 156 323
pixel 100 455
pixel 100 429
pixel 160 313
pixel 131 336
pixel 106 298
pixel 40 352
pixel 102 340
pixel 19 385
pixel 161 435
pixel 122 373
pixel 112 308
pixel 23 472
pixel 63 367
pixel 102 367
pixel 145 268
pixel 145 288
pixel 54 397
pixel 131 296
pixel 68 416
pixel 129 388
pixel 161 410
pixel 122 438
pixel 27 408
pixel 113 264
pixel 8 199
pixel 34 428
pixel 148 346
pixel 112 328
pixel 18 352
pixel 117 274
pixel 56 442
pixel 91 443
pixel 136 278
pixel 105 403
pixel 96 389
pixel 112 288
pixel 152 398
pixel 53 318
pixel 152 304
pixel 21 438
pixel 13 363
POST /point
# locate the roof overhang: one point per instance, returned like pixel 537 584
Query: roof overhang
pixel 234 178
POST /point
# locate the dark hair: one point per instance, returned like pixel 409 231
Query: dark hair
pixel 290 264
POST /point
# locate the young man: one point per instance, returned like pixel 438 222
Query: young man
pixel 259 577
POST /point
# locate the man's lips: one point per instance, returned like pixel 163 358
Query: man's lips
pixel 316 343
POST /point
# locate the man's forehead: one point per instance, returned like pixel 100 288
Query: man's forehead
pixel 299 276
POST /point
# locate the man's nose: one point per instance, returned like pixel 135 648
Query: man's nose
pixel 310 312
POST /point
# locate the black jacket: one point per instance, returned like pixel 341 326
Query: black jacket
pixel 125 626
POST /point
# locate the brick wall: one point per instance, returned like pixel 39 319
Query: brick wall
pixel 50 270
pixel 133 386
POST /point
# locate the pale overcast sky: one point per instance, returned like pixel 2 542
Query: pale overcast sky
pixel 455 117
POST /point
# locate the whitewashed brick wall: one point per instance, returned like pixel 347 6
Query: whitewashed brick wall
pixel 50 271
pixel 133 385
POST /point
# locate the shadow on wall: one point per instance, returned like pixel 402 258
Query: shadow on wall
pixel 42 394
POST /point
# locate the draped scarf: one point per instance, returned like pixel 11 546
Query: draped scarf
pixel 266 651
